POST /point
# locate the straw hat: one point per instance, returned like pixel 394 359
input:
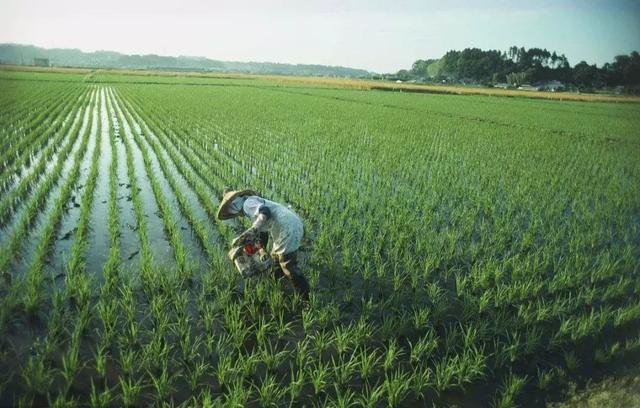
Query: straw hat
pixel 227 198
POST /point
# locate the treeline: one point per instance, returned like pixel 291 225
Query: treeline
pixel 518 66
pixel 25 54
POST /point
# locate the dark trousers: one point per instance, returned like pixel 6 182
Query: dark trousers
pixel 287 265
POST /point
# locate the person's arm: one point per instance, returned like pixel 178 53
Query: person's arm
pixel 251 234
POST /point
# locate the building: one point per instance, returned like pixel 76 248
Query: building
pixel 41 62
pixel 553 86
pixel 527 87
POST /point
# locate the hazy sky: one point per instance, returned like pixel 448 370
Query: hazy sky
pixel 381 36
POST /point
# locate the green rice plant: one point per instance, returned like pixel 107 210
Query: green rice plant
pixel 100 355
pixel 392 353
pixel 545 378
pixel 371 395
pixel 396 386
pixel 422 349
pixel 344 370
pixel 270 393
pixel 156 352
pixel 508 351
pixel 37 144
pixel 309 319
pixel 247 364
pixel 205 399
pixel 131 390
pixel 271 356
pixel 264 329
pixel 444 374
pixel 471 365
pixel 571 360
pixel 322 340
pixel 146 261
pixel 421 381
pixel 37 377
pixel 226 371
pixel 181 198
pixel 319 375
pixel 70 366
pixel 369 362
pixel 297 380
pixel 420 317
pixel 163 383
pixel 129 359
pixel 344 338
pixel 63 400
pixel 511 387
pixel 100 399
pixel 283 328
pixel 237 395
pixel 344 398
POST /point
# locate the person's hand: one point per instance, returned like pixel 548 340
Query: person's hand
pixel 246 237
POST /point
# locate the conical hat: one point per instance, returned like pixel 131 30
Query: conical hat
pixel 227 199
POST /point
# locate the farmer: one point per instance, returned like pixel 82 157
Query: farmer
pixel 269 219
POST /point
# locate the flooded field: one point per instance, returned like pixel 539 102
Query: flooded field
pixel 462 250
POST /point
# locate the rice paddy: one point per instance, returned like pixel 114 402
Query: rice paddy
pixel 462 250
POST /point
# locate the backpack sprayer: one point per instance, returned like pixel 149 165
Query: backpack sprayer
pixel 250 258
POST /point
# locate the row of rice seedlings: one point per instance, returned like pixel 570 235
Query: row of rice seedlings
pixel 16 104
pixel 34 277
pixel 213 177
pixel 11 249
pixel 146 263
pixel 11 199
pixel 196 224
pixel 162 250
pixel 170 224
pixel 37 373
pixel 106 308
pixel 514 293
pixel 111 267
pixel 15 123
pixel 24 163
pixel 35 134
pixel 188 168
pixel 216 173
pixel 76 281
pixel 33 120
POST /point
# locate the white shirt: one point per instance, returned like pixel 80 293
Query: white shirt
pixel 283 224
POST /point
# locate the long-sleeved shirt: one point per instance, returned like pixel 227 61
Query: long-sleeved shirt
pixel 283 225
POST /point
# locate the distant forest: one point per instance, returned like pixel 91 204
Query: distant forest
pixel 519 66
pixel 63 57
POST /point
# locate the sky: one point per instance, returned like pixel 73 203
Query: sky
pixel 380 36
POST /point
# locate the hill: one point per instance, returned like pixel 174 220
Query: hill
pixel 24 55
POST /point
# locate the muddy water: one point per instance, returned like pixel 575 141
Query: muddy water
pixel 128 227
pixel 29 247
pixel 161 249
pixel 192 198
pixel 5 229
pixel 27 168
pixel 209 186
pixel 188 236
pixel 61 251
pixel 98 237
